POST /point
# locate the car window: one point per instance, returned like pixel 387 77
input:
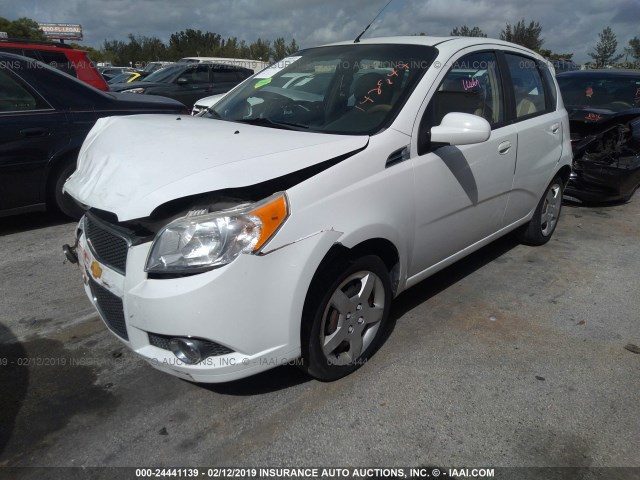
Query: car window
pixel 197 74
pixel 13 96
pixel 527 85
pixel 221 76
pixel 164 75
pixel 349 89
pixel 57 60
pixel 472 85
pixel 595 90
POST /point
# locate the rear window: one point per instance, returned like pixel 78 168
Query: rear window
pixel 608 92
pixel 55 59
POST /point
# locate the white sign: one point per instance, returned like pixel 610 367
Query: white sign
pixel 4 35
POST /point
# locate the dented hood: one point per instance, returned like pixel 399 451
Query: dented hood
pixel 131 165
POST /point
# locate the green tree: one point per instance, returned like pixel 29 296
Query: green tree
pixel 279 49
pixel 523 34
pixel 604 52
pixel 465 31
pixel 22 28
pixel 292 47
pixel 555 56
pixel 261 50
pixel 634 47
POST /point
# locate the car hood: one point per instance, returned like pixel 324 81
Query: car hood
pixel 130 100
pixel 131 165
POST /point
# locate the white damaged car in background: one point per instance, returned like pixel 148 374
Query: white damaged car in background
pixel 281 222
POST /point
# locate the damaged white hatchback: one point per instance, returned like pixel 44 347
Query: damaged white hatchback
pixel 279 224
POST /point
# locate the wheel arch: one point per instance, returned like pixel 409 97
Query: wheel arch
pixel 56 165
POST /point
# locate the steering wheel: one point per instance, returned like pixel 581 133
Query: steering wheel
pixel 620 103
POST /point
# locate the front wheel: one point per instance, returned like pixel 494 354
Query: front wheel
pixel 344 318
pixel 543 223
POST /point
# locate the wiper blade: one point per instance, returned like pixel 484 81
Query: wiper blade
pixel 267 122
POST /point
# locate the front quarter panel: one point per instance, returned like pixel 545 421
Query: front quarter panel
pixel 359 198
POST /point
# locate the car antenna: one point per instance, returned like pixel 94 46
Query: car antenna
pixel 357 40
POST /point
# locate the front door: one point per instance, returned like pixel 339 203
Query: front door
pixel 461 193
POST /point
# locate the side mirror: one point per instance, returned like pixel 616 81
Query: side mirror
pixel 182 81
pixel 461 129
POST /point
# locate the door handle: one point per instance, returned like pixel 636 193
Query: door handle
pixel 555 127
pixel 34 132
pixel 504 147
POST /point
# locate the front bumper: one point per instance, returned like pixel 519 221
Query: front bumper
pixel 251 307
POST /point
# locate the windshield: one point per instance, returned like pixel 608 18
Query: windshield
pixel 164 75
pixel 121 78
pixel 347 89
pixel 615 93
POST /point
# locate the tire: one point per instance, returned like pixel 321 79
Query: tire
pixel 545 219
pixel 344 318
pixel 62 201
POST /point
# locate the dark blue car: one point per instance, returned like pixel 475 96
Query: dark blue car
pixel 45 116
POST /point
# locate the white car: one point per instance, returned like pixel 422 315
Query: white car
pixel 280 224
pixel 205 103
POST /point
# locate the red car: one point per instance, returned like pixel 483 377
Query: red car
pixel 58 55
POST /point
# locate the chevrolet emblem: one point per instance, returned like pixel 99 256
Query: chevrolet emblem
pixel 96 270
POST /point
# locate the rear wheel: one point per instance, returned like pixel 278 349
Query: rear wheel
pixel 344 317
pixel 62 201
pixel 543 223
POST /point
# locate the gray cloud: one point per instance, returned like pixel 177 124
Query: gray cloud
pixel 568 26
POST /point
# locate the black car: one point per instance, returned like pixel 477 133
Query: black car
pixel 604 117
pixel 45 116
pixel 188 82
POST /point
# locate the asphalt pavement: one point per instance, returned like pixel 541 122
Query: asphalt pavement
pixel 515 356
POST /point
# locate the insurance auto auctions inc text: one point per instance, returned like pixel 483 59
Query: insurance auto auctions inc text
pixel 374 472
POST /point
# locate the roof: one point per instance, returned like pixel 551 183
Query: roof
pixel 602 72
pixel 455 43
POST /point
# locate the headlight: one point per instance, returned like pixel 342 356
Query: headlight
pixel 134 90
pixel 201 242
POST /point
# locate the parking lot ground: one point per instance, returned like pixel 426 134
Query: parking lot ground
pixel 514 356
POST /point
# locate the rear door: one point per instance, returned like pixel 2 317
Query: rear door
pixel 31 131
pixel 540 131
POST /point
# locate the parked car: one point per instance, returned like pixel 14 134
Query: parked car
pixel 44 117
pixel 109 72
pixel 604 114
pixel 281 223
pixel 126 77
pixel 310 83
pixel 564 65
pixel 58 55
pixel 187 82
pixel 151 67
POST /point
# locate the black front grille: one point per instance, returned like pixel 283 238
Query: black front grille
pixel 109 248
pixel 211 349
pixel 110 307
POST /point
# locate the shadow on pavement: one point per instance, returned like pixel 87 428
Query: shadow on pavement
pixel 32 221
pixel 14 380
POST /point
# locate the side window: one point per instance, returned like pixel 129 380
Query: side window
pixel 224 76
pixel 527 85
pixel 14 97
pixel 196 74
pixel 547 76
pixel 472 85
pixel 58 60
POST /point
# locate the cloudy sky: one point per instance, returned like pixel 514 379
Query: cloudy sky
pixel 568 25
